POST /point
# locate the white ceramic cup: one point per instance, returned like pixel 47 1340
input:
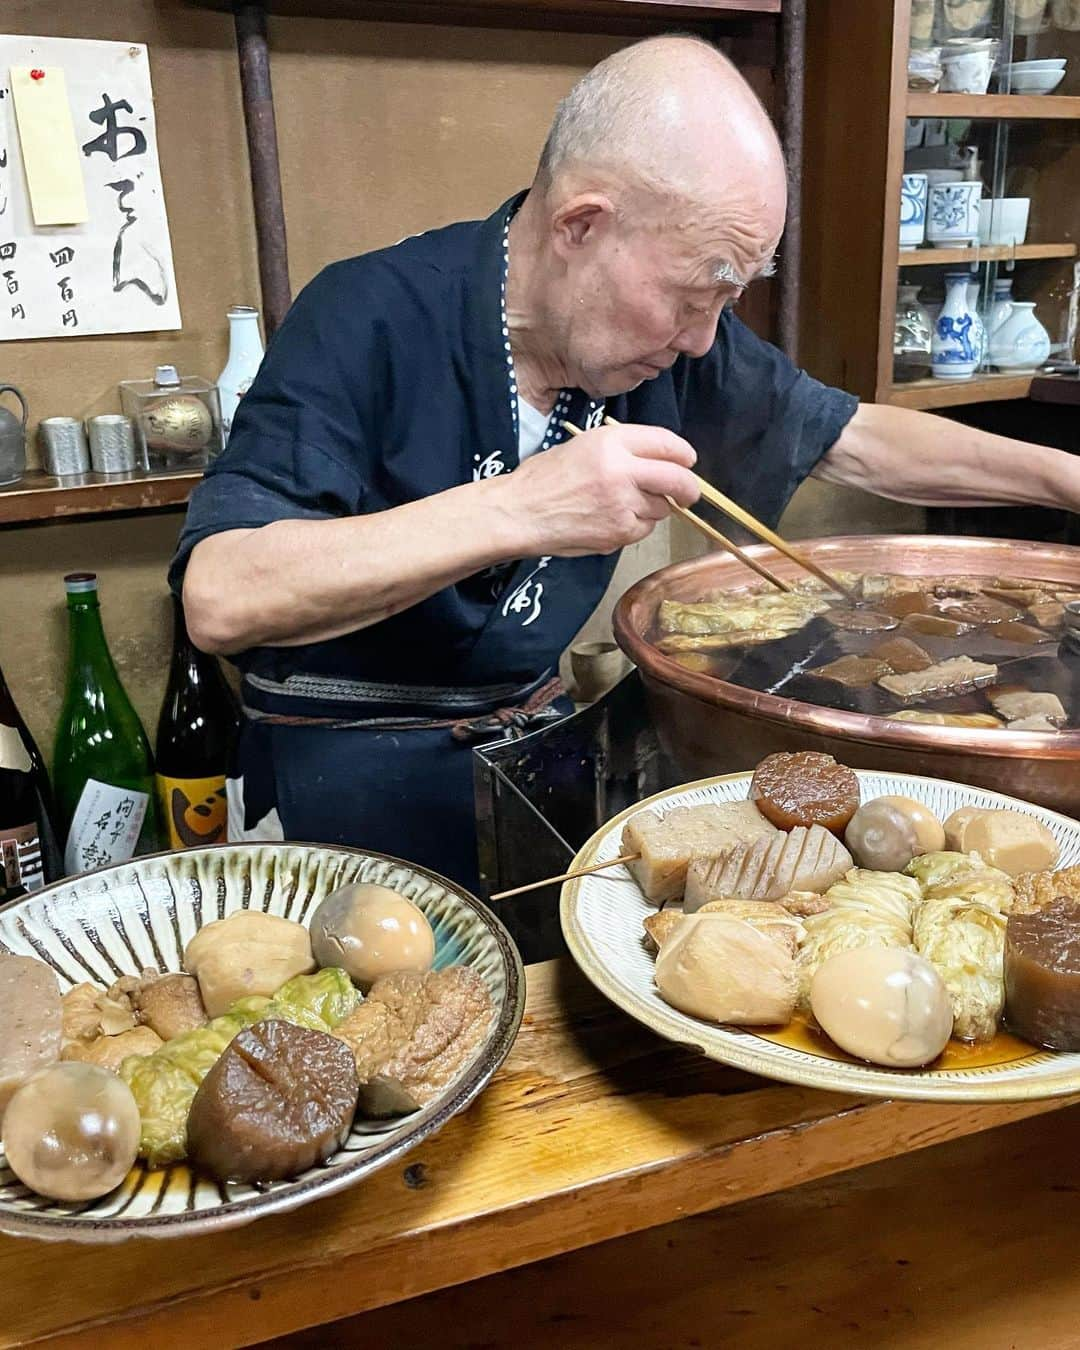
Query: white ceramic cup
pixel 913 192
pixel 596 666
pixel 1004 220
pixel 952 215
pixel 966 72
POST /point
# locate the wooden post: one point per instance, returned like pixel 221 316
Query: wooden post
pixel 792 90
pixel 258 100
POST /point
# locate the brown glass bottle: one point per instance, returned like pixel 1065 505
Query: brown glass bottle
pixel 195 734
pixel 28 858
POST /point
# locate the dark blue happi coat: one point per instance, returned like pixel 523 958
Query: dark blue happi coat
pixel 388 381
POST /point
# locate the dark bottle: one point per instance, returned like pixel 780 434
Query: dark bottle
pixel 195 734
pixel 103 772
pixel 27 843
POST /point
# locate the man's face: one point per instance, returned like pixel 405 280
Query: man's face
pixel 638 297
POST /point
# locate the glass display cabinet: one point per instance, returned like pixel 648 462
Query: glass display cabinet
pixel 940 262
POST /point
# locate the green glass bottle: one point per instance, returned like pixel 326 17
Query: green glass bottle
pixel 103 771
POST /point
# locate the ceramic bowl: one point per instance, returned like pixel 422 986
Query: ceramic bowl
pixel 120 919
pixel 1004 220
pixel 1036 81
pixel 1051 63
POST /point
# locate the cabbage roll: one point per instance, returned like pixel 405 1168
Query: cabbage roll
pixel 966 945
pixel 867 909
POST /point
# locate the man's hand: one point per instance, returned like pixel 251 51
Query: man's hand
pixel 598 492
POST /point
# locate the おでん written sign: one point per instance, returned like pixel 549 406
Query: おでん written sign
pixel 112 273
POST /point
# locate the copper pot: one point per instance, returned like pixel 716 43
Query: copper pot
pixel 709 726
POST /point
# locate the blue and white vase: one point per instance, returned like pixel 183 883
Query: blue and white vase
pixel 1021 343
pixel 913 191
pixel 954 354
pixel 979 339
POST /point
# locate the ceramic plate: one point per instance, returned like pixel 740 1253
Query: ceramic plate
pixel 602 917
pixel 120 919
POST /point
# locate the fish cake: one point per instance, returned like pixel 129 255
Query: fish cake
pixel 805 788
pixel 668 844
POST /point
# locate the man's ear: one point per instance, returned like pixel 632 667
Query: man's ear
pixel 581 221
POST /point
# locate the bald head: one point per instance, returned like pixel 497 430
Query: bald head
pixel 671 116
pixel 660 195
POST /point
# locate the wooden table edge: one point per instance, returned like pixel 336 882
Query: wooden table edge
pixel 275 1302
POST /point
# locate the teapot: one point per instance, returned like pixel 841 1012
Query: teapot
pixel 12 439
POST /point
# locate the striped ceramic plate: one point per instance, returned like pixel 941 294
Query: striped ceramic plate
pixel 602 921
pixel 120 919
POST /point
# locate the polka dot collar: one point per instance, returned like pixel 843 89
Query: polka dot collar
pixel 555 430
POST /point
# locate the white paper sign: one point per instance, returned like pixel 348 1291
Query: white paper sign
pixel 105 827
pixel 114 273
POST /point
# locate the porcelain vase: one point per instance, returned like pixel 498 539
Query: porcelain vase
pixel 978 328
pixel 954 354
pixel 1021 343
pixel 1000 306
pixel 911 336
pixel 245 355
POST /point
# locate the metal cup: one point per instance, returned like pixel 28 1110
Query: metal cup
pixel 63 446
pixel 112 443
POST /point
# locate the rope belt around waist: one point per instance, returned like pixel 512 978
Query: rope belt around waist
pixel 525 709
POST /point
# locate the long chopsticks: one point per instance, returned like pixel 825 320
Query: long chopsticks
pixel 705 528
pixel 566 876
pixel 731 508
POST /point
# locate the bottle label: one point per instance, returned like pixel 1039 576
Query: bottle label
pixel 105 827
pixel 194 810
pixel 21 863
pixel 13 752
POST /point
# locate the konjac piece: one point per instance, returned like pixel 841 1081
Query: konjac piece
pixel 1042 975
pixel 805 788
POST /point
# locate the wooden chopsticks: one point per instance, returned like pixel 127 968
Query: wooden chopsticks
pixel 705 528
pixel 731 508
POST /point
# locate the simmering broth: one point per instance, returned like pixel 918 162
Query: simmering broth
pixel 997 634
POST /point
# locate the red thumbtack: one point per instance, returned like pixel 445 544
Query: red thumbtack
pixel 37 74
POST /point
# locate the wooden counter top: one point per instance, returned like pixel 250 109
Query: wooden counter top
pixel 593 1129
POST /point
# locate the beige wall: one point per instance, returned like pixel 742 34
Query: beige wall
pixel 384 130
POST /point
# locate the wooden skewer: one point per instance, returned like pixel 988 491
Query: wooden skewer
pixel 706 529
pixel 567 876
pixel 731 508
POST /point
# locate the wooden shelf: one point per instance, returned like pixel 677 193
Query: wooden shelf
pixel 571 14
pixel 1045 107
pixel 936 257
pixel 933 393
pixel 39 497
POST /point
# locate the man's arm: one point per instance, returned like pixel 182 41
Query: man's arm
pixel 918 458
pixel 298 581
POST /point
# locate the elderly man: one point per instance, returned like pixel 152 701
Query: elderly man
pixel 400 539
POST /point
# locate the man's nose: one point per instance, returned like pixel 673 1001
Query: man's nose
pixel 696 339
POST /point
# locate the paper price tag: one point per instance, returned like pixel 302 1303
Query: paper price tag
pixel 49 150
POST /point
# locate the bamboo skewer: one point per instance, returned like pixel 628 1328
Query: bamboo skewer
pixel 706 529
pixel 731 508
pixel 566 876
